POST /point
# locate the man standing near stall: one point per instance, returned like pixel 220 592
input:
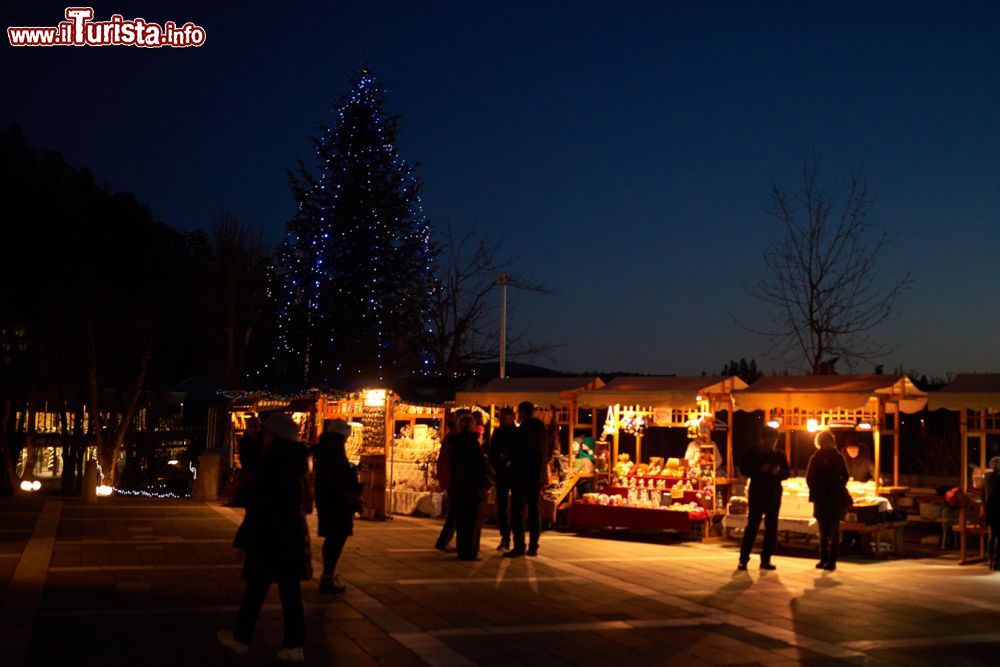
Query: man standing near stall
pixel 529 466
pixel 502 445
pixel 766 466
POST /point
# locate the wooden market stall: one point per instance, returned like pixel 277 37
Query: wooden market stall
pixel 976 397
pixel 656 496
pixel 861 403
pixel 556 404
pixel 393 442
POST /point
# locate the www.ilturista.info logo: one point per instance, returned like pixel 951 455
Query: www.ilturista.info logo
pixel 79 29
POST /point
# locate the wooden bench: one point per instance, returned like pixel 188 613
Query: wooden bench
pixel 873 532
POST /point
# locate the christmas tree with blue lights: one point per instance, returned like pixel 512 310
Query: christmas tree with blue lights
pixel 355 272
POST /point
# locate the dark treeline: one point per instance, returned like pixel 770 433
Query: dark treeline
pixel 99 302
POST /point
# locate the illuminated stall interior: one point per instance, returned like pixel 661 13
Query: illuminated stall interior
pixel 394 442
pixel 976 397
pixel 855 404
pixel 634 403
pixel 659 492
pixel 810 403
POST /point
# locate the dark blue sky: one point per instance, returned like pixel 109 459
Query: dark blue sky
pixel 624 154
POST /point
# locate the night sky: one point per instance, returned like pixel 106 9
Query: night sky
pixel 625 155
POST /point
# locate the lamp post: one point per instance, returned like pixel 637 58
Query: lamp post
pixel 503 279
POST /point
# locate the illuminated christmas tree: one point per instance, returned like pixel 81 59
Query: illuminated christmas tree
pixel 355 271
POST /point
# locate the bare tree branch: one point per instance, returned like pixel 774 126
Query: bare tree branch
pixel 821 290
pixel 465 315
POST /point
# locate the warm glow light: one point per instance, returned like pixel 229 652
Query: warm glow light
pixel 774 423
pixel 172 462
pixel 104 490
pixel 812 425
pixel 36 485
pixel 26 485
pixel 698 397
pixel 375 398
pixel 864 426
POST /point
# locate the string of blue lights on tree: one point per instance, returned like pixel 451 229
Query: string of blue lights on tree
pixel 355 272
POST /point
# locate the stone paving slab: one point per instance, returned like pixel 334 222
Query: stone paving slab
pixel 147 582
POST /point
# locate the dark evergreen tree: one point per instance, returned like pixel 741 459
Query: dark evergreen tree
pixel 748 372
pixel 356 268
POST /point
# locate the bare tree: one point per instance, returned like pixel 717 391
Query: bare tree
pixel 241 259
pixel 822 291
pixel 465 315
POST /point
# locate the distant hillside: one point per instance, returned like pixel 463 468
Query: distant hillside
pixel 515 369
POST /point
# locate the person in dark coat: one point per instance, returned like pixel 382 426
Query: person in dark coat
pixel 502 445
pixel 275 539
pixel 766 466
pixel 860 466
pixel 249 450
pixel 338 497
pixel 468 484
pixel 991 504
pixel 529 465
pixel 827 478
pixel 444 481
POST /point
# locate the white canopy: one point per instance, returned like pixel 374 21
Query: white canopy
pixel 540 391
pixel 830 392
pixel 972 391
pixel 658 391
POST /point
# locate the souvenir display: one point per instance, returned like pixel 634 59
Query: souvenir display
pixel 414 458
pixel 796 513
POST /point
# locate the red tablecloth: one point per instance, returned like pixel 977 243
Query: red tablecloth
pixel 589 515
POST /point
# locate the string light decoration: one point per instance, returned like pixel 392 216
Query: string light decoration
pixel 154 492
pixel 355 272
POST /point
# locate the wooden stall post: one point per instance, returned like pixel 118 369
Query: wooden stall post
pixel 982 446
pixel 877 436
pixel 964 435
pixel 389 445
pixel 614 436
pixel 964 483
pixel 571 436
pixel 983 440
pixel 638 442
pixel 729 441
pixel 897 441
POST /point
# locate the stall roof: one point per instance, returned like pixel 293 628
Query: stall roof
pixel 540 391
pixel 829 392
pixel 973 391
pixel 661 391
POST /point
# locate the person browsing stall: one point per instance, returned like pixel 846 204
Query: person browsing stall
pixel 766 466
pixel 827 477
pixel 501 448
pixel 529 472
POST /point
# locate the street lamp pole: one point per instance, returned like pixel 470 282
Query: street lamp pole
pixel 502 280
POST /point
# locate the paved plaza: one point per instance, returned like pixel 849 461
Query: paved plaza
pixel 148 582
